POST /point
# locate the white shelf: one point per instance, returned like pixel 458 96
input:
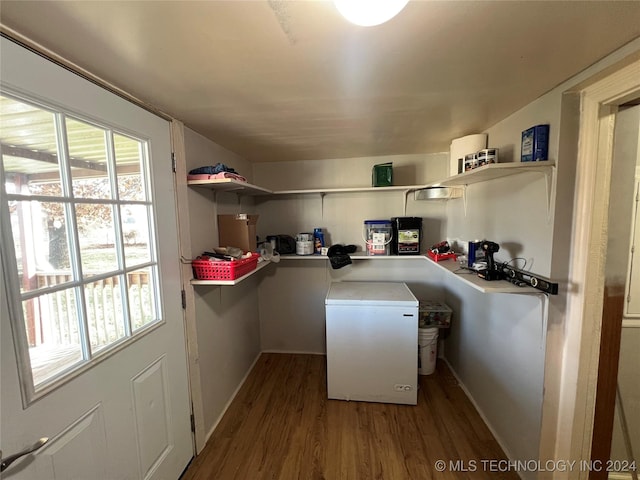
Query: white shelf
pixel 450 266
pixel 493 171
pixel 470 278
pixel 354 257
pixel 303 257
pixel 482 174
pixel 230 185
pixel 322 191
pixel 260 266
pixel 245 188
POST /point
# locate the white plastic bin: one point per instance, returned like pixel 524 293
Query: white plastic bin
pixel 378 235
pixel 427 350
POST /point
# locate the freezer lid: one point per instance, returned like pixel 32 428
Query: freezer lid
pixel 370 293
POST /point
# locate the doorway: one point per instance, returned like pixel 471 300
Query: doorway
pixel 616 435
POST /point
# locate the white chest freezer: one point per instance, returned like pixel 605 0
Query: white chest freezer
pixel 372 342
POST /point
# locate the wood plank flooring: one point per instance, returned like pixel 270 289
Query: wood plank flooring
pixel 282 426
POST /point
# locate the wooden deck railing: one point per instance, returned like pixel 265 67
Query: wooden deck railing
pixel 54 318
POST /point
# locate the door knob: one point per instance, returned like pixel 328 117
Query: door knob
pixel 5 462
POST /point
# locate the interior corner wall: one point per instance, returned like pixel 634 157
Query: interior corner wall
pixel 498 344
pixel 292 293
pixel 227 318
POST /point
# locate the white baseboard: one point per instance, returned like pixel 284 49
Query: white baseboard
pixel 244 379
pixel 479 410
pixel 298 352
pixel 231 399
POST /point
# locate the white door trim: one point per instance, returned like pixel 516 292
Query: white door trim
pixel 573 413
pixel 186 274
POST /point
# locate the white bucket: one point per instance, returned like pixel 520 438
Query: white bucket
pixel 427 350
pixel 304 247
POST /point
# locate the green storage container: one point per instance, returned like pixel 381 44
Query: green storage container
pixel 382 175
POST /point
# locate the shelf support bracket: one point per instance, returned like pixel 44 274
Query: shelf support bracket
pixel 239 199
pixel 544 310
pixel 322 205
pixel 550 178
pixel 464 199
pixel 404 201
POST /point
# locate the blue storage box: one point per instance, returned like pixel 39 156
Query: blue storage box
pixel 535 144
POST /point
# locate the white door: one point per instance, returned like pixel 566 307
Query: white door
pixel 92 339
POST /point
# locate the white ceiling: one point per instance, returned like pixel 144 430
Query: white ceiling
pixel 274 80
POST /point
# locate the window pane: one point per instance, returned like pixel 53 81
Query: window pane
pixel 135 230
pixel 51 323
pixel 41 244
pixel 108 183
pixel 88 160
pixel 141 286
pixel 104 312
pixel 29 149
pixel 128 154
pixel 97 235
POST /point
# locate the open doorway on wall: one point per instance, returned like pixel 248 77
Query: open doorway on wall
pixel 616 434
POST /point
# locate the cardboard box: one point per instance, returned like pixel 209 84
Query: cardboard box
pixel 238 230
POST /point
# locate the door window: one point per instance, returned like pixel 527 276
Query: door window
pixel 80 217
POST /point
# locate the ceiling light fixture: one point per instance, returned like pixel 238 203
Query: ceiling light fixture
pixel 368 13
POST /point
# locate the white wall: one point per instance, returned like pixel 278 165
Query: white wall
pixel 350 172
pixel 227 319
pixel 497 342
pixel 496 349
pixel 516 215
pixel 341 215
pixel 292 295
pixel 497 346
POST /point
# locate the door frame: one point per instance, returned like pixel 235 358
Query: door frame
pixel 188 296
pixel 572 363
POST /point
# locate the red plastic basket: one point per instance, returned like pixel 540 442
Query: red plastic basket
pixel 436 257
pixel 224 270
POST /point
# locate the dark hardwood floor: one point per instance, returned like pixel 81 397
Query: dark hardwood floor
pixel 282 426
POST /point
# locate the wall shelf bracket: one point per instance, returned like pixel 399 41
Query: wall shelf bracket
pixel 405 197
pixel 550 178
pixel 464 199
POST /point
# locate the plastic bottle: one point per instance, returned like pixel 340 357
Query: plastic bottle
pixel 318 241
